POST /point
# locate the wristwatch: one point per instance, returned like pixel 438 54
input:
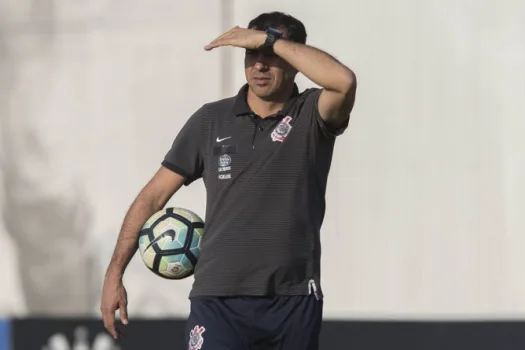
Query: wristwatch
pixel 272 35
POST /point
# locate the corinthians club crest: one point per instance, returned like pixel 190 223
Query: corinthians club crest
pixel 282 130
pixel 196 339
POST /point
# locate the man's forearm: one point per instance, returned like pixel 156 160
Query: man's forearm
pixel 318 66
pixel 140 211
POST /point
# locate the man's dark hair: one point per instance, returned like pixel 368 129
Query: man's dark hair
pixel 294 27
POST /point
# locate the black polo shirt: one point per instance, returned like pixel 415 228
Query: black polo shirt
pixel 265 181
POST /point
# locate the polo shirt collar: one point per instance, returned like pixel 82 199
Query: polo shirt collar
pixel 241 108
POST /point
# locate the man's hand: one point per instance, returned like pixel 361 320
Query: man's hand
pixel 239 37
pixel 114 297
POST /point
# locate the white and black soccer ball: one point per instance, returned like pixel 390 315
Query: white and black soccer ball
pixel 170 242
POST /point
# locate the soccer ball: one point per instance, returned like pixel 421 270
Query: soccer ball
pixel 170 242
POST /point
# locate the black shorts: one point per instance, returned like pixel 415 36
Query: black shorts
pixel 255 323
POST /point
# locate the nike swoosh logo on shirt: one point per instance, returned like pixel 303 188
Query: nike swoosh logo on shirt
pixel 220 140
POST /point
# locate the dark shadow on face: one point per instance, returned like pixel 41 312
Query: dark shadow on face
pixel 267 74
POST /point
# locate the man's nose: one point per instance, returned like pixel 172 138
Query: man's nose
pixel 261 65
pixel 261 61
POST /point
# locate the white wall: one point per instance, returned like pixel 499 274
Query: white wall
pixel 425 202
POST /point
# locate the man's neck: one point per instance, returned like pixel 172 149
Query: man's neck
pixel 265 108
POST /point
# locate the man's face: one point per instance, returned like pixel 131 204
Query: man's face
pixel 268 75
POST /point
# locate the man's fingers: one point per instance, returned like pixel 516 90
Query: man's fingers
pixel 219 38
pixel 123 311
pixel 215 43
pixel 109 322
pixel 209 47
pixel 227 34
pixel 222 40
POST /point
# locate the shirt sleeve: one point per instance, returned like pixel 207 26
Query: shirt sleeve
pixel 185 156
pixel 312 100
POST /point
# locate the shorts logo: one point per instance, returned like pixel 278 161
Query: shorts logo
pixel 196 339
pixel 282 130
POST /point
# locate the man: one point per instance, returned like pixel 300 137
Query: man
pixel 264 156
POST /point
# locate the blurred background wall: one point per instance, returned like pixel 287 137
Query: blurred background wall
pixel 426 198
